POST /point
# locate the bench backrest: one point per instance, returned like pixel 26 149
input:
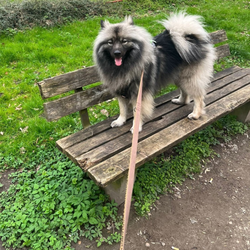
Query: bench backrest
pixel 86 93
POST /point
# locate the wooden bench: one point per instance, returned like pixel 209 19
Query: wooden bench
pixel 103 152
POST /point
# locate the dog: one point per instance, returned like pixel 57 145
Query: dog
pixel 182 54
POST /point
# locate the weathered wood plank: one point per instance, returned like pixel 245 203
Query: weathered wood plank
pixel 83 134
pixel 84 116
pixel 243 113
pixel 222 51
pixel 76 147
pixel 218 36
pixel 226 72
pixel 222 82
pixel 66 82
pixel 75 102
pixel 114 167
pixel 106 150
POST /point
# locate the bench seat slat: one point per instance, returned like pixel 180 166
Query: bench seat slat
pixel 80 147
pixel 96 155
pixel 83 134
pixel 226 72
pixel 114 167
pixel 222 82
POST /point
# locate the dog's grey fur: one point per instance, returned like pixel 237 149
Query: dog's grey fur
pixel 182 54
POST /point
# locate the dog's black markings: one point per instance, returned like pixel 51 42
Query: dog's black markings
pixel 198 51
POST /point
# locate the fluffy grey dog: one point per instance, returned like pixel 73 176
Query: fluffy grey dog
pixel 181 54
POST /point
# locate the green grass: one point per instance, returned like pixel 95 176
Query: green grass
pixel 27 140
pixel 27 58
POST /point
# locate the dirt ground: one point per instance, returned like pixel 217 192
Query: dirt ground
pixel 211 212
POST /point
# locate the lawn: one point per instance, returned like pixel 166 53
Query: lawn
pixel 52 200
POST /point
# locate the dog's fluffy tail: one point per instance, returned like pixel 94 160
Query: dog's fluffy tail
pixel 189 36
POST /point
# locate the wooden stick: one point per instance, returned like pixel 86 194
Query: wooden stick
pixel 131 171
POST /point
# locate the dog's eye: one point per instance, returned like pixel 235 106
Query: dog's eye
pixel 110 42
pixel 124 41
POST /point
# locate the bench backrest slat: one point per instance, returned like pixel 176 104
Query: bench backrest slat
pixel 218 36
pixel 66 82
pixel 82 99
pixel 222 51
pixel 75 102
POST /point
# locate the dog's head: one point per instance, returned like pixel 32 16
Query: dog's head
pixel 121 45
pixel 116 41
pixel 117 48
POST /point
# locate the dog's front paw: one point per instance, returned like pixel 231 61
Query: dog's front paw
pixel 132 129
pixel 193 116
pixel 196 115
pixel 118 122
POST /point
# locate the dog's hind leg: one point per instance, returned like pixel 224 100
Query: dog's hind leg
pixel 123 105
pixel 198 109
pixel 199 104
pixel 182 99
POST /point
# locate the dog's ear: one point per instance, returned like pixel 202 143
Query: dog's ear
pixel 104 24
pixel 129 20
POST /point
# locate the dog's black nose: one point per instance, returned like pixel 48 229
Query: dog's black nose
pixel 117 52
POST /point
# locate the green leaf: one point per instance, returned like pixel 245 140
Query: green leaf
pixel 74 181
pixel 77 214
pixel 93 221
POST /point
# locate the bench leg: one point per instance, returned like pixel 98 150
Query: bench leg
pixel 83 113
pixel 117 189
pixel 84 118
pixel 243 113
